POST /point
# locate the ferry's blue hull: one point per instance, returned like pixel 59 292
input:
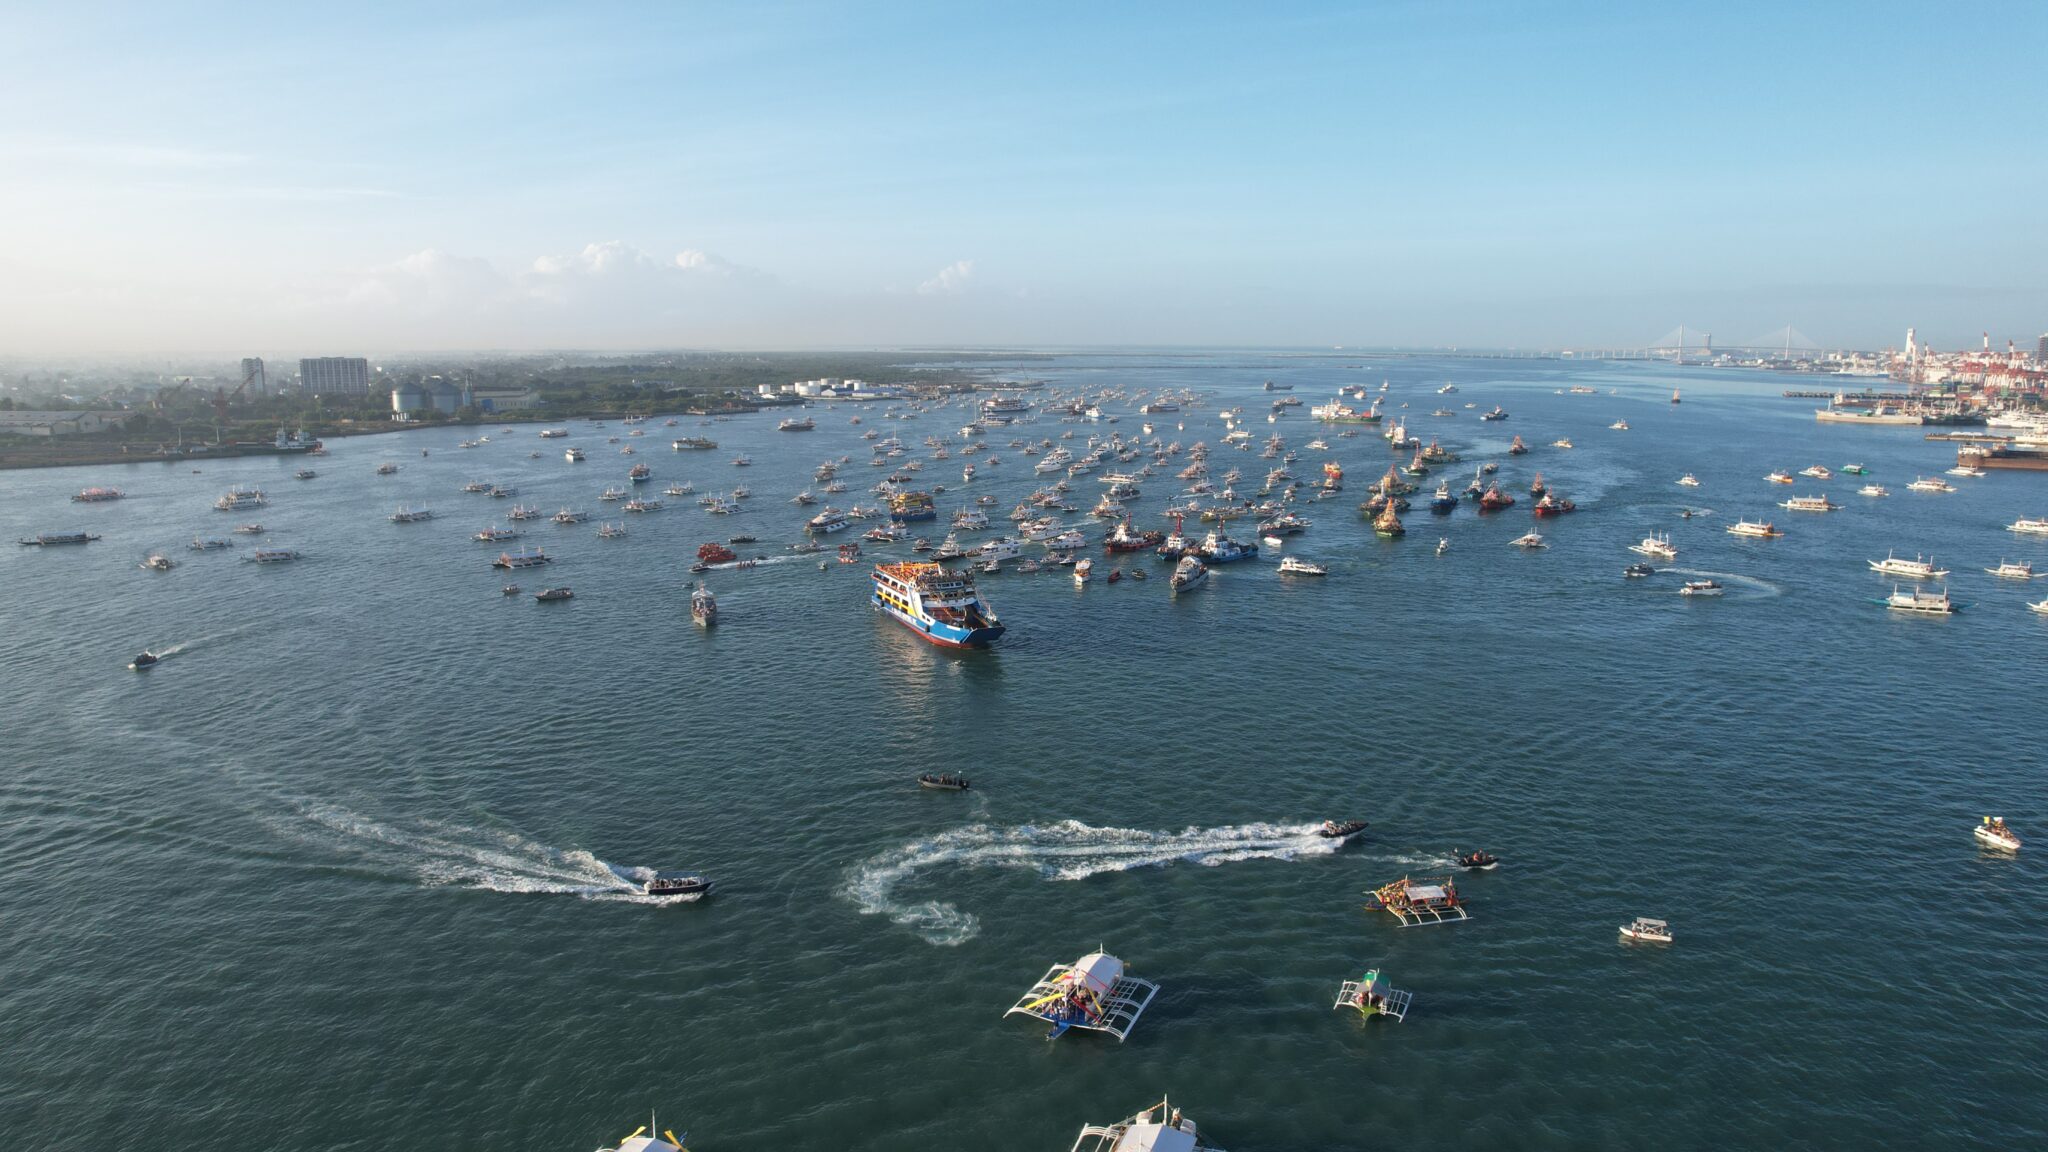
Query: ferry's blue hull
pixel 944 635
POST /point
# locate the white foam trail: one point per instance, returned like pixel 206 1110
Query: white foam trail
pixel 495 861
pixel 1069 850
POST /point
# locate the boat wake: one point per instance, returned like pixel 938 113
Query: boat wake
pixel 1069 850
pixel 1764 586
pixel 450 855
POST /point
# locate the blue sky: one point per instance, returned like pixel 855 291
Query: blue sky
pixel 611 175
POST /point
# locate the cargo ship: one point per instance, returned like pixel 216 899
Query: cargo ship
pixel 1338 412
pixel 905 507
pixel 940 605
pixel 2029 455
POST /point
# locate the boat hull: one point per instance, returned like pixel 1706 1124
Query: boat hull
pixel 943 635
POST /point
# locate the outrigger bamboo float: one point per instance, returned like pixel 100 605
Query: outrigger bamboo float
pixel 1431 900
pixel 1372 997
pixel 1093 993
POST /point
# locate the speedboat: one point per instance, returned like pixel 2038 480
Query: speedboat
pixel 1645 929
pixel 1637 570
pixel 1479 861
pixel 1872 490
pixel 1992 831
pixel 146 660
pixel 942 782
pixel 1700 588
pixel 675 884
pixel 1530 540
pixel 1296 566
pixel 1340 829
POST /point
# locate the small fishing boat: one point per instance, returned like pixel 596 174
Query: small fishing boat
pixel 158 562
pixel 1647 930
pixel 942 782
pixel 548 595
pixel 1689 481
pixel 1340 829
pixel 1992 832
pixel 1476 861
pixel 703 606
pixel 1635 571
pixel 148 659
pixel 1854 470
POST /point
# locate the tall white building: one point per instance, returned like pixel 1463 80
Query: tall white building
pixel 254 381
pixel 335 376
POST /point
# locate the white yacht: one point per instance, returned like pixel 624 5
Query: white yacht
pixel 1918 568
pixel 2013 570
pixel 1688 481
pixel 1657 545
pixel 1619 425
pixel 573 455
pixel 1645 929
pixel 1160 1128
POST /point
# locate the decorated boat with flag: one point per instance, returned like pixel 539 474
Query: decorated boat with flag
pixel 1094 993
pixel 936 603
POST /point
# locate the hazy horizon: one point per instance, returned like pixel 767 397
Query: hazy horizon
pixel 801 177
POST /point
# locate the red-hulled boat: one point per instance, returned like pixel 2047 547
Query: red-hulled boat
pixel 1518 448
pixel 715 553
pixel 1551 505
pixel 1493 499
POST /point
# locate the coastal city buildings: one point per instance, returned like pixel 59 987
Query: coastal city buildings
pixel 335 376
pixel 255 382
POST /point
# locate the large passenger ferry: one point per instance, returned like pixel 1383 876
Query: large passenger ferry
pixel 940 605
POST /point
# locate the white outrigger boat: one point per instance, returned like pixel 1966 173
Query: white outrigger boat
pixel 1160 1128
pixel 1530 540
pixel 1657 545
pixel 2013 570
pixel 1372 997
pixel 1918 568
pixel 640 1141
pixel 1094 993
pixel 1992 832
pixel 1919 602
pixel 1649 931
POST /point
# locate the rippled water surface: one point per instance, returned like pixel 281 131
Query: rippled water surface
pixel 355 867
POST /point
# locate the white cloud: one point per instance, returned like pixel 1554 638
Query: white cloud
pixel 950 280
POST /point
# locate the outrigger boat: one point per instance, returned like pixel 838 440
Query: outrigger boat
pixel 676 884
pixel 1370 995
pixel 639 1141
pixel 1160 1128
pixel 942 782
pixel 1647 930
pixel 1093 993
pixel 1432 900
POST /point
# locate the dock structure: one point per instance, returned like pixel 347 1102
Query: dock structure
pixel 1431 900
pixel 1092 993
pixel 1370 995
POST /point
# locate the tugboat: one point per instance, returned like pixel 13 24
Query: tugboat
pixel 1991 832
pixel 1218 548
pixel 1517 448
pixel 1551 505
pixel 676 884
pixel 1443 503
pixel 703 606
pixel 1387 525
pixel 1493 499
pixel 1478 861
pixel 1498 413
pixel 1340 830
pixel 942 782
pixel 1123 538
